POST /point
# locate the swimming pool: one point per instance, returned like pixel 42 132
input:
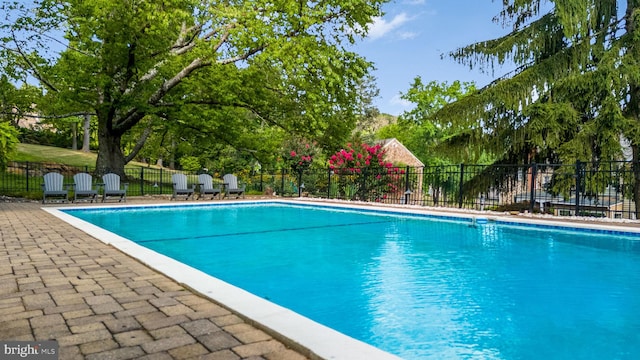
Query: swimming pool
pixel 416 286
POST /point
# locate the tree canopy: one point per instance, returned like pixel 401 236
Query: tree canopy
pixel 221 68
pixel 415 128
pixel 574 91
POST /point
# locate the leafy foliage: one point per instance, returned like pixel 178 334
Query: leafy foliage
pixel 575 92
pixel 224 68
pixel 571 96
pixel 416 128
pixel 8 143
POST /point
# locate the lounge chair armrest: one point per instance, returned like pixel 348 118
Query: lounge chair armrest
pixel 126 186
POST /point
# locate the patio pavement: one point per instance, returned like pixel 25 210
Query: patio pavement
pixel 58 283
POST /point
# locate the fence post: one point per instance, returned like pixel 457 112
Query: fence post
pixel 261 180
pixel 363 191
pixel 141 181
pixel 282 181
pixel 460 186
pixel 532 187
pixel 160 186
pixel 407 190
pixel 328 183
pixel 27 169
pixel 578 185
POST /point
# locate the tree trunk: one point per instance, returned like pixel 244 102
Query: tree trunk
pixel 74 135
pixel 86 133
pixel 172 154
pixel 110 156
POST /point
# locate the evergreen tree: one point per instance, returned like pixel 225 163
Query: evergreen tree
pixel 574 94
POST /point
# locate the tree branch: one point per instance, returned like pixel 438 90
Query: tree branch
pixel 31 65
pixel 139 144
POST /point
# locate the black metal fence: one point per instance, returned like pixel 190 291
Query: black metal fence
pixel 584 189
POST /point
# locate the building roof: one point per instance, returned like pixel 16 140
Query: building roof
pixel 397 152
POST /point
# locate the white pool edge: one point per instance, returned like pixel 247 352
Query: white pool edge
pixel 299 332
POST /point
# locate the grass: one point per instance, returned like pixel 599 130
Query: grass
pixel 50 154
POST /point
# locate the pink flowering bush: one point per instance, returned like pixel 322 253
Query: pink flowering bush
pixel 365 175
pixel 300 155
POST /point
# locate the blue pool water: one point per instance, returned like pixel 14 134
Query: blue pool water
pixel 421 288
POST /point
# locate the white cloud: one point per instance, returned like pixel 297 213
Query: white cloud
pixel 400 103
pixel 405 35
pixel 381 27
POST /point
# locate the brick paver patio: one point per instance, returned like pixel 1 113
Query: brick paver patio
pixel 58 283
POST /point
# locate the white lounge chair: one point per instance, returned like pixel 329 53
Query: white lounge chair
pixel 180 186
pixel 83 187
pixel 111 183
pixel 205 182
pixel 231 186
pixel 53 187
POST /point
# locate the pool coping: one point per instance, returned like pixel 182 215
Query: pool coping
pixel 301 333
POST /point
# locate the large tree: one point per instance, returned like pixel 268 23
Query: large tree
pixel 136 62
pixel 575 90
pixel 572 91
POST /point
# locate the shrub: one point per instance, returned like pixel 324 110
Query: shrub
pixel 8 143
pixel 364 173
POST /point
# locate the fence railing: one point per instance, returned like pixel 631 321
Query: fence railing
pixel 586 189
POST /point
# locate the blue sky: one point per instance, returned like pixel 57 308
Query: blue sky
pixel 408 40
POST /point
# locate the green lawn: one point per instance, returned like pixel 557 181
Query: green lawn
pixel 50 154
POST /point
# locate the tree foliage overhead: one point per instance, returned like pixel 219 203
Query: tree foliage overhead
pixel 209 64
pixel 574 91
pixel 415 128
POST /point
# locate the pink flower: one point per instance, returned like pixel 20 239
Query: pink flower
pixel 293 153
